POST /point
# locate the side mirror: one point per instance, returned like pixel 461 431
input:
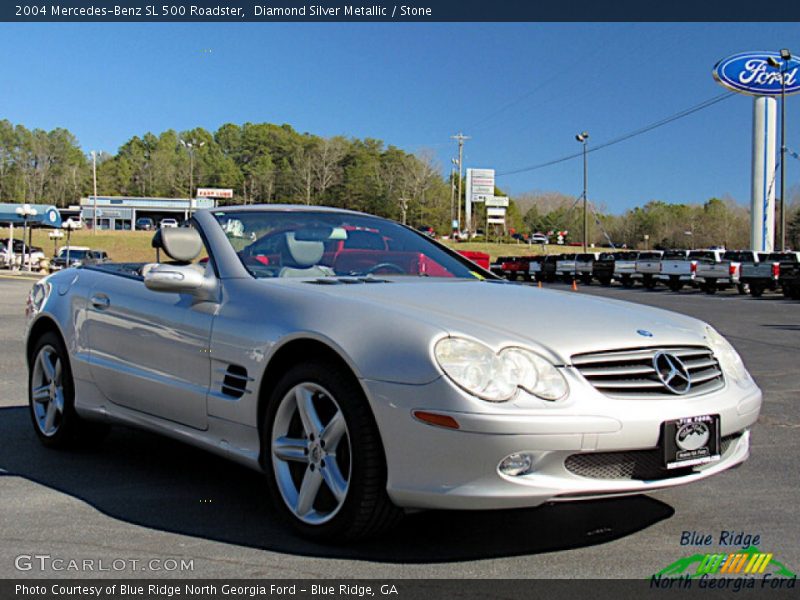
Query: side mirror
pixel 173 278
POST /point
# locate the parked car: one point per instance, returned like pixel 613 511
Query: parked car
pixel 625 268
pixel 358 387
pixel 479 258
pixel 760 271
pixel 790 274
pixel 516 267
pixel 543 268
pixel 538 238
pixel 648 267
pixel 18 250
pixel 584 266
pixel 676 269
pixel 75 256
pixel 713 271
pixel 604 266
pixel 565 267
pixel 145 223
pixel 168 222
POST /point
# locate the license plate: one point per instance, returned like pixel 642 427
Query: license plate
pixel 690 441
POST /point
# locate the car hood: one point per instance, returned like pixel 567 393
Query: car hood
pixel 561 323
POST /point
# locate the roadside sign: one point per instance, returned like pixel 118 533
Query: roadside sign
pixel 214 193
pixel 497 201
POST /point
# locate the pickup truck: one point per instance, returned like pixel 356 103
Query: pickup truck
pixel 544 268
pixel 648 266
pixel 584 266
pixel 677 269
pixel 757 272
pixel 716 269
pixel 603 267
pixel 513 267
pixel 625 268
pixel 790 274
pixel 565 267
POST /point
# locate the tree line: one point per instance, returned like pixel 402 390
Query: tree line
pixel 267 163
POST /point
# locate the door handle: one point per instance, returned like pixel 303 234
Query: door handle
pixel 100 301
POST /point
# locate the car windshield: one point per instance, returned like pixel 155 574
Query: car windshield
pixel 73 253
pixel 307 243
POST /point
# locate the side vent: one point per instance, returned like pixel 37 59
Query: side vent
pixel 235 381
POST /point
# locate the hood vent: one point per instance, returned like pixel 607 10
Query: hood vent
pixel 235 381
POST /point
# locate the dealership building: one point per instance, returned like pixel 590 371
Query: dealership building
pixel 121 212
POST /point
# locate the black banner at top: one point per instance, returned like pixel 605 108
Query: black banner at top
pixel 392 11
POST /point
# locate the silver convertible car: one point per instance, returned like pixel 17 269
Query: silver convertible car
pixel 367 370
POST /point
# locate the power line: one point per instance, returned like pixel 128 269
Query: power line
pixel 642 130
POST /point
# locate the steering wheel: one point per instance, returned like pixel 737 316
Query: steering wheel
pixel 385 265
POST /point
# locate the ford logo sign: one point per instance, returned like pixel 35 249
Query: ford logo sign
pixel 751 73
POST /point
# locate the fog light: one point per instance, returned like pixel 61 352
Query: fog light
pixel 516 464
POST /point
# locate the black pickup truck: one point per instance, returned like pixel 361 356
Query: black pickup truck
pixel 789 278
pixel 603 267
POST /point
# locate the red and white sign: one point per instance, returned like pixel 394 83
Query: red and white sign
pixel 214 193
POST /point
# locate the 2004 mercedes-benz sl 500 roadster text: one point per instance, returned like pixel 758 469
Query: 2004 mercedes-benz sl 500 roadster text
pixel 366 369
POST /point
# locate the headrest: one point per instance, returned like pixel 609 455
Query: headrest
pixel 181 244
pixel 304 253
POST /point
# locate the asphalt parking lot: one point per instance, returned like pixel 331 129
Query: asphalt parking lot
pixel 139 497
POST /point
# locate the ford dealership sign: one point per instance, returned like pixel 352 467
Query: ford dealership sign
pixel 751 73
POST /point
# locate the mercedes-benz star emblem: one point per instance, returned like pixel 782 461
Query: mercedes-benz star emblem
pixel 692 436
pixel 672 373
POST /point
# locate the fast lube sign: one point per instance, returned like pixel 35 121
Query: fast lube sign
pixel 763 75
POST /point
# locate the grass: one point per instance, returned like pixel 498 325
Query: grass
pixel 122 246
pixel 134 246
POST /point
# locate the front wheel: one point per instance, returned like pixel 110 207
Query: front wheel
pixel 51 397
pixel 323 456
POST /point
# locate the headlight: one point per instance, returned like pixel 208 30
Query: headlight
pixel 496 377
pixel 728 358
pixel 37 297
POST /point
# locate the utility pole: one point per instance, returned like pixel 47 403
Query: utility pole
pixel 454 162
pixel 460 138
pixel 584 139
pixel 94 205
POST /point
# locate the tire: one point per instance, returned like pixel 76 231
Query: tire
pixel 605 281
pixel 627 282
pixel 649 282
pixel 586 279
pixel 51 398
pixel 756 291
pixel 675 284
pixel 710 286
pixel 356 467
pixel 743 288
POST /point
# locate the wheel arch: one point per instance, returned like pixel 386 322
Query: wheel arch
pixel 43 324
pixel 295 351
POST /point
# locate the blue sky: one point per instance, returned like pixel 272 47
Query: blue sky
pixel 521 91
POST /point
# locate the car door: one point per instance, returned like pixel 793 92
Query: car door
pixel 148 349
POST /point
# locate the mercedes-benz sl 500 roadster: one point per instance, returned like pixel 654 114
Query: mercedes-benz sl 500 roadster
pixel 368 370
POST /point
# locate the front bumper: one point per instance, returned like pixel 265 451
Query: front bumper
pixel 437 468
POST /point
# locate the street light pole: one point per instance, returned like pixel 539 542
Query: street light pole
pixel 26 212
pixel 94 179
pixel 190 146
pixel 783 67
pixel 583 139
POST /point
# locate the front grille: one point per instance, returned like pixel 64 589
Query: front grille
pixel 644 465
pixel 631 373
